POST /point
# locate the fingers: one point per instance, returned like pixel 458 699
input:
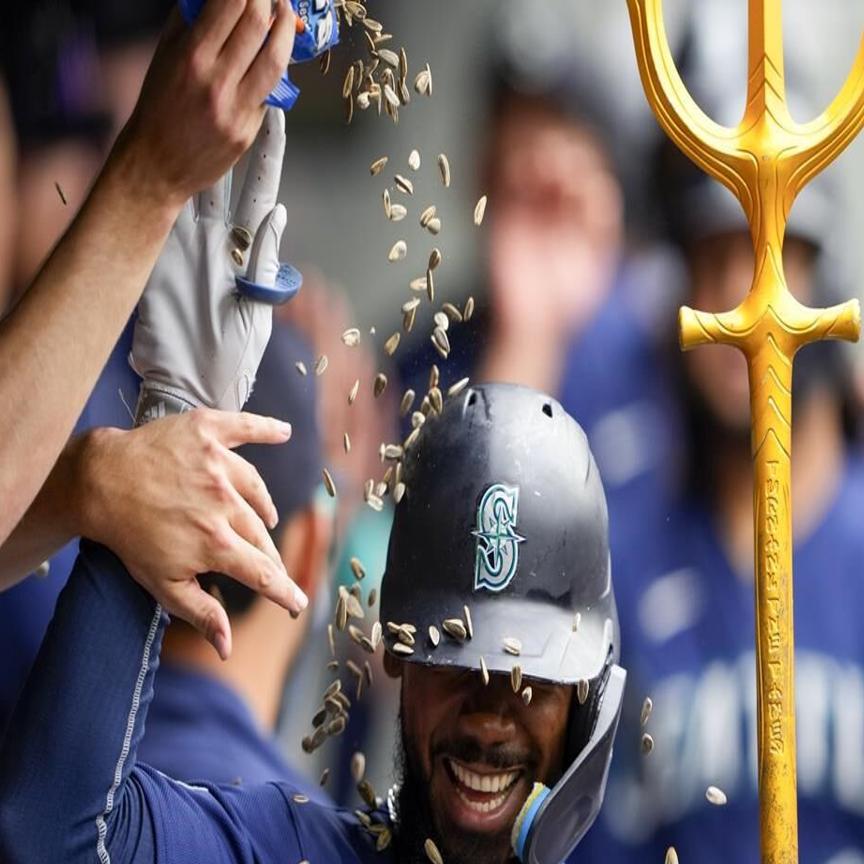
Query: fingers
pixel 242 46
pixel 204 612
pixel 247 481
pixel 273 58
pixel 264 260
pixel 235 428
pixel 248 564
pixel 249 526
pixel 214 26
pixel 213 202
pixel 264 173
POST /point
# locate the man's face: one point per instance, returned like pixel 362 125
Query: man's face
pixel 471 755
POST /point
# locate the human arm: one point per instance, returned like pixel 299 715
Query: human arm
pixel 200 107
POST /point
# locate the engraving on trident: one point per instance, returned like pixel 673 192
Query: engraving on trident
pixel 765 161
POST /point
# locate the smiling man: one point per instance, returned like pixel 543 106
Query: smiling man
pixel 499 618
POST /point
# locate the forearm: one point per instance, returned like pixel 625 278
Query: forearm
pixel 56 341
pixel 52 520
pixel 69 751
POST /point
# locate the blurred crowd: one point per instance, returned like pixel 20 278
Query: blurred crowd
pixel 585 259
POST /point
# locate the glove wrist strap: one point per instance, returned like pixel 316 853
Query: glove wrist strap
pixel 157 400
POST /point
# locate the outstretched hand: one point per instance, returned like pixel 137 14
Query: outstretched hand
pixel 172 500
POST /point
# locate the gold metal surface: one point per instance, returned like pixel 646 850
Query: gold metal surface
pixel 765 161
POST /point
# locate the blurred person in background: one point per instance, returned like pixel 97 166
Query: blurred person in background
pixel 685 586
pixel 213 720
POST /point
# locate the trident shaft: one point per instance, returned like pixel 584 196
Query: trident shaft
pixel 765 161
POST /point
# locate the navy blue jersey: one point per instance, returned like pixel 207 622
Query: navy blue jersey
pixel 71 788
pixel 200 729
pixel 26 609
pixel 687 625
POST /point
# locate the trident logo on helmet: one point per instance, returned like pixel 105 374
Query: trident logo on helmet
pixel 497 553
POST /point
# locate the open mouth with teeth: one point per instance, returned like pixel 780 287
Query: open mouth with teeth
pixel 481 798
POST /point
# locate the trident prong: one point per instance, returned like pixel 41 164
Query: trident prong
pixel 764 161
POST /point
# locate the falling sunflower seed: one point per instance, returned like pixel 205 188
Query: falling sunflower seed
pixel 404 184
pixel 418 418
pixel 348 82
pixel 527 694
pixel 398 212
pixel 671 856
pixel 301 367
pixel 457 388
pixel 375 635
pixel 392 344
pixel 346 442
pixel 512 646
pixel 647 708
pixel 385 198
pixel 351 337
pixel 321 364
pixel 577 620
pixel 444 169
pixel 480 210
pixel 432 852
pixel 398 492
pixel 455 628
pixel 407 401
pixel 468 311
pixel 430 286
pixel 328 483
pixel 352 393
pixel 418 285
pixel 434 259
pixel 469 624
pixel 375 502
pixel 436 399
pixel 242 237
pixel 336 726
pixel 414 160
pixel 441 341
pixel 433 226
pixel 427 214
pixel 380 384
pixel 646 743
pixel 434 635
pixel 397 251
pixel 331 638
pixel 325 62
pixel 402 648
pixel 237 257
pixel 452 312
pixel 441 320
pixel 325 774
pixel 516 678
pixel 358 766
pixel 391 58
pixel 582 688
pixel 715 796
pixel 411 440
pixel 484 671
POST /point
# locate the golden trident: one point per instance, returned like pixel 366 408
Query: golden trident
pixel 764 161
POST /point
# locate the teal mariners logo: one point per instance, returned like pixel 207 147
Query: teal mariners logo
pixel 497 553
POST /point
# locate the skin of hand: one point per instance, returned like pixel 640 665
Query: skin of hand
pixel 200 106
pixel 172 500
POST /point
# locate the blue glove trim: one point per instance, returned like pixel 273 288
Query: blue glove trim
pixel 288 282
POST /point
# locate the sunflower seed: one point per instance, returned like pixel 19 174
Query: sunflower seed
pixel 346 442
pixel 397 474
pixel 349 109
pixel 391 105
pixel 411 305
pixel 414 160
pixel 300 798
pixel 397 251
pixel 441 320
pixel 404 184
pixel 237 257
pixel 333 688
pixel 427 214
pixel 401 648
pixel 408 319
pixel 333 665
pixel 418 284
pixel 527 693
pixel 383 840
pixel 375 502
pixel 368 489
pixel 444 168
pixel 353 668
pixel 452 313
pixel 325 62
pixel 577 620
pixel 301 367
pixel 358 766
pixel 328 483
pixel 403 63
pixel 385 198
pixel 418 418
pixel 434 259
pixel 512 646
pixel 423 82
pixel 363 100
pixel 468 311
pixel 425 407
pixel 484 671
pixel 516 678
pixel 480 210
pixel 321 364
pixel 393 452
pixel 331 639
pixel 376 633
pixel 336 726
pixel 354 609
pixel 455 628
pixel 715 796
pixel 392 344
pixel 358 10
pixel 411 440
pixel 391 58
pixel 351 337
pixel 406 637
pixel 647 708
pixel 367 671
pixel 436 399
pixel 357 568
pixel 647 743
pixel 398 492
pixel 671 856
pixel 469 624
pixel 325 774
pixel 380 384
pixel 407 401
pixel 433 226
pixel 398 212
pixel 242 237
pixel 363 818
pixel 434 635
pixel 430 286
pixel 352 393
pixel 432 852
pixel 441 342
pixel 582 689
pixel 434 376
pixel 373 25
pixel 348 82
pixel 457 388
pixel 341 613
pixel 381 489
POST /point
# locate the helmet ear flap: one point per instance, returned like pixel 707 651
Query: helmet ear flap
pixel 583 718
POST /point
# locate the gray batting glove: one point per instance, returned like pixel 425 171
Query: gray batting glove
pixel 199 339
